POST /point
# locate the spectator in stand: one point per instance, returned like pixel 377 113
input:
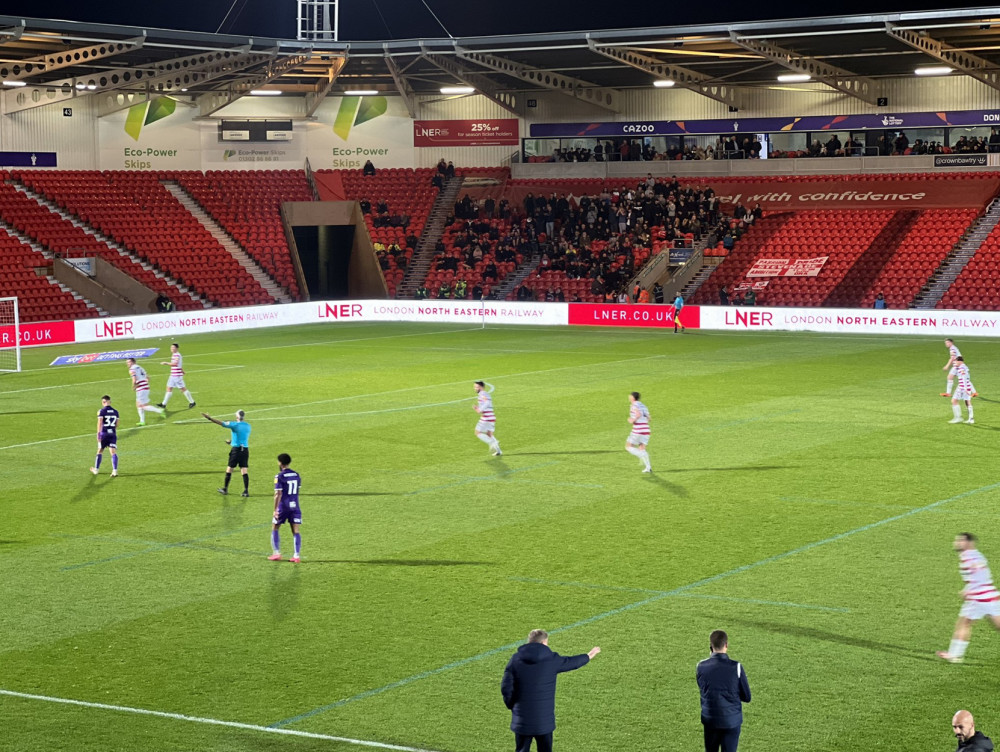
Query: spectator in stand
pixel 450 171
pixel 994 142
pixel 723 296
pixel 422 293
pixel 880 302
pixel 643 296
pixel 366 206
pixel 444 291
pixel 657 292
pixel 369 169
pixel 739 211
pixel 490 272
pixel 477 291
pixel 728 241
pixel 901 144
pixel 750 299
pixel 163 304
pixel 442 167
pixel 438 180
pixel 460 287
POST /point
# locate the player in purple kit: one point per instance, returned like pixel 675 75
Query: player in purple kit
pixel 107 435
pixel 286 508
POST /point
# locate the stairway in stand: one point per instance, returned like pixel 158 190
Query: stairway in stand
pixel 957 260
pixel 423 254
pixel 272 288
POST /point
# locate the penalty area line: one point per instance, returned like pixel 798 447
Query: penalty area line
pixel 209 721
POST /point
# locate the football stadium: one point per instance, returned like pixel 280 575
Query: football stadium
pixel 663 352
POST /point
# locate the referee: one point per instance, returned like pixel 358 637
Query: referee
pixel 724 689
pixel 239 455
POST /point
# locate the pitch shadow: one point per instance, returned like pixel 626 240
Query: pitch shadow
pixel 727 469
pixel 351 493
pixel 405 562
pixel 26 412
pixel 838 639
pixel 674 488
pixel 578 451
pixel 89 490
pixel 184 472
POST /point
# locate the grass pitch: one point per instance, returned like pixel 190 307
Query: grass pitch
pixel 805 495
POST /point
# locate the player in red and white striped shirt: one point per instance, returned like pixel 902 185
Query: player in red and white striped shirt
pixel 963 392
pixel 140 382
pixel 953 354
pixel 487 420
pixel 637 440
pixel 176 376
pixel 980 596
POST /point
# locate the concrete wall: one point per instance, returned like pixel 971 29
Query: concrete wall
pixel 111 289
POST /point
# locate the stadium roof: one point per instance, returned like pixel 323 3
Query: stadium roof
pixel 48 61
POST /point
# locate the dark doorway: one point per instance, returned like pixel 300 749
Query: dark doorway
pixel 325 254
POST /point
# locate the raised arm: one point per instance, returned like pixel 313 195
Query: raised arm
pixel 209 417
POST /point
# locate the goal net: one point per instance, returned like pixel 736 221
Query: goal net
pixel 10 335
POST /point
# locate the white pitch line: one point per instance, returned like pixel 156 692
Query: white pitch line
pixel 102 381
pixel 210 721
pixel 90 435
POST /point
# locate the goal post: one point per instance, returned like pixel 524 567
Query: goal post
pixel 10 336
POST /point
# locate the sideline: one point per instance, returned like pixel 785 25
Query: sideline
pixel 210 721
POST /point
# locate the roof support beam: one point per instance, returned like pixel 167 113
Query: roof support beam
pixel 58 60
pixel 966 62
pixel 216 99
pixel 859 87
pixel 163 77
pixel 315 98
pixel 482 84
pixel 683 77
pixel 402 85
pixel 584 91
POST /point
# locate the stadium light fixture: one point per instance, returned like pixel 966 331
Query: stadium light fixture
pixel 264 93
pixel 14 83
pixel 934 70
pixel 361 93
pixel 794 78
pixel 457 90
pixel 663 83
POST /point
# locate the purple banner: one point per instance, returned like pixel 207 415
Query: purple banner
pixel 76 360
pixel 767 125
pixel 27 159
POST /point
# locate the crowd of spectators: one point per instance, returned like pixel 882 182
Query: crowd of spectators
pixel 749 147
pixel 596 237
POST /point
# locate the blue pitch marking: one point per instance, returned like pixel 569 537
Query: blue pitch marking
pixel 732 599
pixel 630 606
pixel 163 547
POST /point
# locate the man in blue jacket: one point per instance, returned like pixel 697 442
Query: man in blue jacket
pixel 529 689
pixel 724 689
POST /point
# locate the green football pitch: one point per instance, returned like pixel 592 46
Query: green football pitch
pixel 805 494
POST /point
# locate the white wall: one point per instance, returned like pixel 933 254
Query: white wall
pixel 74 139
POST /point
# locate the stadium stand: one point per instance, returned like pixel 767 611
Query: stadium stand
pixel 137 211
pixel 39 299
pixel 61 236
pixel 406 194
pixel 248 206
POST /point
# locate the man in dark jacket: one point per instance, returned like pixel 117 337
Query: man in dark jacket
pixel 969 740
pixel 529 689
pixel 724 689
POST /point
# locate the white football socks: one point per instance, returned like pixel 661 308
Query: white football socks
pixel 154 409
pixel 957 409
pixel 166 398
pixel 957 648
pixel 485 439
pixel 188 395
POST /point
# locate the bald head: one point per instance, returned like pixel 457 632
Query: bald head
pixel 963 725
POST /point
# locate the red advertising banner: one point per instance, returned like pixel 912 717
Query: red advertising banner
pixel 855 192
pixel 614 314
pixel 50 333
pixel 492 132
pixel 809 267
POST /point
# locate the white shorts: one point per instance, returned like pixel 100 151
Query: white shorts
pixel 961 395
pixel 485 427
pixel 176 382
pixel 976 610
pixel 142 397
pixel 634 438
